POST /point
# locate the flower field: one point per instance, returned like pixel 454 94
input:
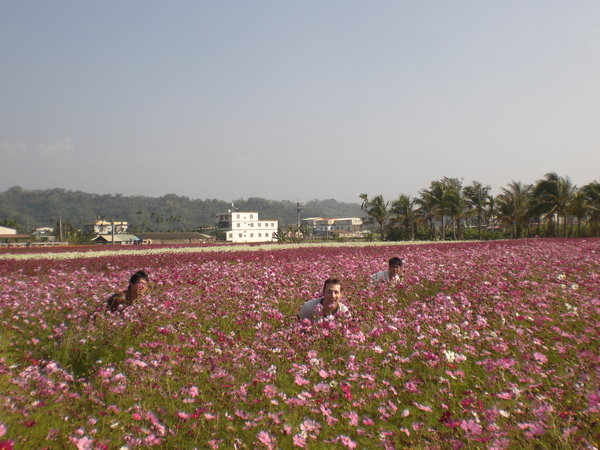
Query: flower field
pixel 484 345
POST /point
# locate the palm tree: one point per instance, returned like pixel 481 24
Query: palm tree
pixel 432 200
pixel 426 213
pixel 365 201
pixel 592 194
pixel 404 209
pixel 578 207
pixel 455 204
pixel 377 211
pixel 553 194
pixel 478 198
pixel 514 207
pixel 490 213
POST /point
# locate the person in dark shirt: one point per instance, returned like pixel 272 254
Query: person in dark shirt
pixel 138 284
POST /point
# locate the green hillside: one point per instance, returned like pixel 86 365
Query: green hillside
pixel 37 208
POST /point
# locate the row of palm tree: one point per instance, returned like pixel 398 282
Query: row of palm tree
pixel 552 206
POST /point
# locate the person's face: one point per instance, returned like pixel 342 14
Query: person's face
pixel 395 270
pixel 139 288
pixel 332 294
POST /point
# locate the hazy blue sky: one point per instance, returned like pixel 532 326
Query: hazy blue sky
pixel 296 99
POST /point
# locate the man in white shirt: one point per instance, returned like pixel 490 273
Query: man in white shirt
pixel 393 275
pixel 328 306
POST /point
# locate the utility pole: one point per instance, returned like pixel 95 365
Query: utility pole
pixel 60 230
pixel 298 209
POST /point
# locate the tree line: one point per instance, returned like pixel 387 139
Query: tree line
pixel 551 207
pixel 26 210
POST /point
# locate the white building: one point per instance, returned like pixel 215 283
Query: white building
pixel 6 230
pixel 324 226
pixel 245 227
pixel 100 226
pixel 350 226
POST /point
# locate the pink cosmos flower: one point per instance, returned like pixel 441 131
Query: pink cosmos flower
pixel 270 391
pixel 308 426
pixel 300 381
pixel 347 442
pixel 299 441
pixel 594 402
pixel 505 395
pixel 500 444
pixel 265 438
pixel 368 421
pixel 183 416
pixel 471 427
pixel 214 443
pixel 321 387
pixel 352 418
pixel 423 407
pixel 84 443
pixel 152 439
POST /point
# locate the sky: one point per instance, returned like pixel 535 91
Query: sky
pixel 296 100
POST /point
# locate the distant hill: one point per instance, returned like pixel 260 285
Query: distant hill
pixel 38 208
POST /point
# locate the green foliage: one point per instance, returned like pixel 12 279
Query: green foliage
pixel 10 223
pixel 170 212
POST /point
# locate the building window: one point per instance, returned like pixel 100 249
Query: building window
pixel 240 234
pixel 252 216
pixel 252 225
pixel 259 234
pixel 238 216
pixel 251 235
pixel 230 235
pixel 238 225
pixel 259 224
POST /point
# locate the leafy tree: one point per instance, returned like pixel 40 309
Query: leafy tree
pixel 70 233
pixel 11 223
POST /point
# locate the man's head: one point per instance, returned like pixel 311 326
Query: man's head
pixel 395 266
pixel 332 293
pixel 138 283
